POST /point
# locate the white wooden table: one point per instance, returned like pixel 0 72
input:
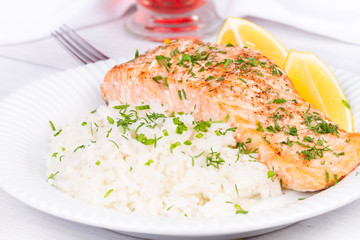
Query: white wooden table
pixel 25 63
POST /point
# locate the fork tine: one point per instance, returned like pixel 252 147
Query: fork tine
pixel 71 48
pixel 82 43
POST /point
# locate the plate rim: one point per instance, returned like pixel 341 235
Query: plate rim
pixel 231 229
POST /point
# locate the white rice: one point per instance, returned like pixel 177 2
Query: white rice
pixel 92 159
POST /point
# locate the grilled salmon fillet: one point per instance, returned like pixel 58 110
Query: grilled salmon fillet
pixel 306 150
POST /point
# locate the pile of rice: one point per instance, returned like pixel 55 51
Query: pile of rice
pixel 142 159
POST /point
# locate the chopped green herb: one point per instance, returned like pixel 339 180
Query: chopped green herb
pixel 164 61
pixel 108 133
pixel 114 143
pixel 275 71
pixel 184 93
pixel 157 78
pixel 110 120
pixel 258 73
pixel 54 154
pixel 226 63
pixel 199 135
pixel 52 126
pixel 237 191
pixel 82 146
pixel 210 77
pixel 199 155
pixel 214 159
pixel 220 79
pixel 52 175
pixel 136 54
pixel 165 132
pixel 277 101
pixel 336 179
pixel 179 93
pixel 168 209
pixel 347 105
pixel 84 123
pixel 239 210
pixel 270 129
pixel 187 142
pixel 201 69
pixel 222 120
pixel 97 162
pixel 143 107
pixel 242 80
pixel 292 131
pixel 327 176
pixel 149 162
pixel 308 139
pixel 266 140
pixel 229 45
pixel 58 132
pixel 259 127
pixel 166 82
pixel 108 193
pixel 271 174
pixel 125 106
pixel 174 145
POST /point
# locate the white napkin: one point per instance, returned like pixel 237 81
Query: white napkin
pixel 332 18
pixel 24 20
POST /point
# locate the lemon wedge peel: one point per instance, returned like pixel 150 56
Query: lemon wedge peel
pixel 238 31
pixel 322 90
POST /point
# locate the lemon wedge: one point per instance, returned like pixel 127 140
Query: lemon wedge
pixel 315 82
pixel 238 31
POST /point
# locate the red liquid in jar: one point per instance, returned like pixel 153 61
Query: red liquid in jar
pixel 171 6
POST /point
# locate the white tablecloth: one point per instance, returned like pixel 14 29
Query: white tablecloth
pixel 23 64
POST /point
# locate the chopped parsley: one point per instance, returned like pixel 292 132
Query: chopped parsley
pixel 149 162
pixel 327 176
pixel 239 210
pixel 214 159
pixel 110 120
pixel 142 107
pixel 82 146
pixel 108 193
pixel 174 145
pixel 157 78
pixel 57 133
pixel 52 126
pixel 136 53
pixel 271 174
pixel 347 105
pixel 163 61
pixel 277 101
pixel 52 175
pixel 259 127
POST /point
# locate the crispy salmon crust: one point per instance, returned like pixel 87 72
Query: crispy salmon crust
pixel 306 150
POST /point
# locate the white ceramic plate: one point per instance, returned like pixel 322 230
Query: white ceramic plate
pixel 24 132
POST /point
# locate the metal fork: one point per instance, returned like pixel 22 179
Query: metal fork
pixel 77 46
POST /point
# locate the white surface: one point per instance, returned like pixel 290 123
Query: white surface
pixel 23 145
pixel 325 17
pixel 25 19
pixel 23 64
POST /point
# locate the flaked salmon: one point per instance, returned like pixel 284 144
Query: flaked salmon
pixel 306 150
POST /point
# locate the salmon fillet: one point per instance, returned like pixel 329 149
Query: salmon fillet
pixel 306 150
